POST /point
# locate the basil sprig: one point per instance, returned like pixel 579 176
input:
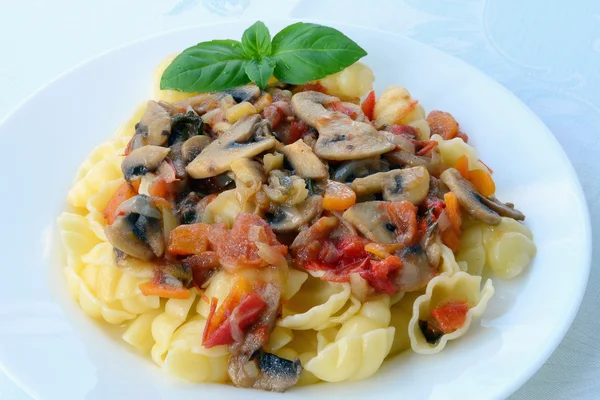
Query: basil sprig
pixel 299 53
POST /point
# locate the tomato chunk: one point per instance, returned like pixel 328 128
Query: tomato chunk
pixel 189 239
pixel 451 316
pixel 236 247
pixel 443 124
pixel 368 106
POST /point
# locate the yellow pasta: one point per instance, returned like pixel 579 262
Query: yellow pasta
pixel 353 81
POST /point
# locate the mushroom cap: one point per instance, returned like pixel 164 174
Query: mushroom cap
pixel 234 143
pixel 411 184
pixel 340 137
pixel 155 125
pixel 143 160
pixel 138 229
pixel 348 171
pixel 194 146
pixel 484 209
pixel 304 161
pixel 372 220
pixel 248 92
pixel 290 218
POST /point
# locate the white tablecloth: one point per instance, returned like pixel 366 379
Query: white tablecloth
pixel 546 52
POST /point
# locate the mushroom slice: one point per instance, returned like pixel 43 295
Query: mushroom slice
pixel 289 218
pixel 201 104
pixel 411 184
pixel 417 271
pixel 348 171
pixel 155 125
pixel 304 161
pixel 372 220
pixel 340 137
pixel 244 93
pixel 405 159
pixel 138 229
pixel 484 209
pixel 235 143
pixel 192 147
pixel 143 160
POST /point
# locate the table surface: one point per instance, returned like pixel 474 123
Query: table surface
pixel 545 52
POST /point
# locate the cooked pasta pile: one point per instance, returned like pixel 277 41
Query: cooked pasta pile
pixel 346 235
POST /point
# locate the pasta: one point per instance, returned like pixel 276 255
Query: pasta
pixel 228 254
pixel 359 347
pixel 441 290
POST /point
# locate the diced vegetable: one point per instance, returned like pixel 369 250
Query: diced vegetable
pixel 124 192
pixel 368 106
pixel 168 292
pixel 462 166
pixel 451 316
pixel 338 196
pixel 262 102
pixel 297 130
pixel 483 182
pixel 443 124
pixel 451 239
pixel 453 211
pixel 238 111
pixel 189 239
pixel 341 108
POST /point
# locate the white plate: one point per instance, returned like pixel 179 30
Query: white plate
pixel 54 351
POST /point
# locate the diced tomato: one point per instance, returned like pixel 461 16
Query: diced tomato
pixel 236 247
pixel 451 239
pixel 297 130
pixel 380 274
pixel 123 193
pixel 273 115
pixel 434 205
pixel 368 106
pixel 243 315
pixel 342 108
pixel 189 239
pixel 463 136
pixel 403 215
pixel 451 316
pixel 168 292
pixel 404 130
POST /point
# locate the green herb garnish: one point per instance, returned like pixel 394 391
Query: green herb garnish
pixel 299 53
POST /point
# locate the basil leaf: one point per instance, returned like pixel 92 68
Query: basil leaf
pixel 259 71
pixel 304 52
pixel 207 67
pixel 256 40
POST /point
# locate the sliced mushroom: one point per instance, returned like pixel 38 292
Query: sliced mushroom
pixel 484 209
pixel 143 160
pixel 348 171
pixel 192 147
pixel 249 177
pixel 201 104
pixel 289 218
pixel 235 143
pixel 305 163
pixel 155 125
pixel 372 220
pixel 410 184
pixel 244 93
pixel 340 137
pixel 405 159
pixel 138 229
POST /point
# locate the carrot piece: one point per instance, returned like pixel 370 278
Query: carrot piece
pixel 462 166
pixel 443 124
pixel 189 239
pixel 483 182
pixel 463 136
pixel 368 106
pixel 124 192
pixel 159 188
pixel 431 144
pixel 169 292
pixel 453 211
pixel 451 316
pixel 338 196
pixel 451 239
